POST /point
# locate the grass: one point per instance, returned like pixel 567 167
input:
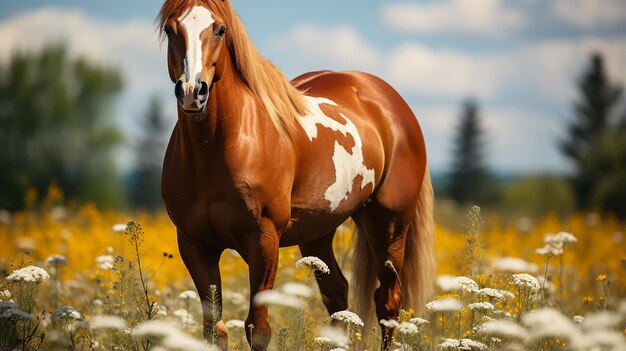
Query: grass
pixel 573 300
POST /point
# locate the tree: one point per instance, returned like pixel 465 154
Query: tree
pixel 57 127
pixel 596 144
pixel 469 176
pixel 149 152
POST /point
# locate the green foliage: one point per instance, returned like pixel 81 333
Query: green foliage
pixel 149 152
pixel 56 126
pixel 537 196
pixel 469 176
pixel 596 143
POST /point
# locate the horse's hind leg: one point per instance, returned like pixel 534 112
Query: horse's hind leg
pixel 333 286
pixel 385 232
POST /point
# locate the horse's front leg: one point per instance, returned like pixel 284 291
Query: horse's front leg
pixel 261 254
pixel 203 266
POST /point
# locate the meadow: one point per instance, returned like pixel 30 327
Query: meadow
pixel 81 278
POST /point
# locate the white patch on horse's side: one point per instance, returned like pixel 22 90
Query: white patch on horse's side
pixel 348 165
pixel 195 22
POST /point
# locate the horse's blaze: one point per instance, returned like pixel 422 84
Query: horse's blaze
pixel 195 22
pixel 349 164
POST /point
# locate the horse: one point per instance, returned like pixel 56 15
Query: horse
pixel 256 162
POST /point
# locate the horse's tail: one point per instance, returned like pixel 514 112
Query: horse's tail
pixel 419 261
pixel 419 255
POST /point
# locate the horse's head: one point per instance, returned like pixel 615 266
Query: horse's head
pixel 195 39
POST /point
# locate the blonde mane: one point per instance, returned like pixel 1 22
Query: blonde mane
pixel 282 101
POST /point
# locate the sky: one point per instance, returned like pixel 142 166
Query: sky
pixel 519 59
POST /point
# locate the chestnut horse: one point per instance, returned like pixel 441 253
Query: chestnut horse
pixel 256 162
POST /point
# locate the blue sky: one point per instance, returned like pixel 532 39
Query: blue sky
pixel 519 59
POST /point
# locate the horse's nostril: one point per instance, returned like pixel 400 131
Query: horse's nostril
pixel 178 90
pixel 204 88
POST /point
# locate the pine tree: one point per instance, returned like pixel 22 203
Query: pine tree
pixel 149 152
pixel 469 176
pixel 595 142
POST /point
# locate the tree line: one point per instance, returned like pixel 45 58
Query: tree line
pixel 57 126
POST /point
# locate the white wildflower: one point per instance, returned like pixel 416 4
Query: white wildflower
pixel 418 321
pixel 66 313
pixel 444 305
pixel 481 306
pixel 347 318
pixel 170 337
pixel 578 319
pixel 235 324
pixel 56 260
pixel 467 284
pixel 337 336
pixel 5 305
pixel 29 274
pixel 15 314
pixel 550 249
pixel 313 264
pixel 507 294
pixel 185 317
pixel 189 295
pixel 560 238
pixel 119 227
pixel 389 323
pixel 462 344
pixel 504 328
pixel 276 298
pixel 107 322
pixel 525 281
pixel 549 322
pixel 105 262
pixel 407 328
pixel 600 340
pixel 601 320
pixel 491 293
pixel 323 341
pixel 513 264
pixel 448 282
pixel 297 290
pixel 5 295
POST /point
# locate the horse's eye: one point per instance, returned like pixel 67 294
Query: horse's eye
pixel 221 31
pixel 167 30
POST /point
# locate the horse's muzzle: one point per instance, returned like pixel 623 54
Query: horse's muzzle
pixel 192 97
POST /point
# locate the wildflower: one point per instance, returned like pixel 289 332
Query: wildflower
pixel 389 323
pixel 549 322
pixel 560 238
pixel 407 329
pixel 235 324
pixel 506 294
pixel 587 299
pixel 503 328
pixel 491 293
pixel 513 264
pixel 601 277
pixel 189 295
pixel 185 317
pixel 15 314
pixel 297 290
pixel 448 282
pixel 5 295
pixel 481 306
pixel 29 274
pixel 467 284
pixel 313 264
pixel 444 305
pixel 601 320
pixel 105 262
pixel 418 321
pixel 462 344
pixel 107 322
pixel 337 336
pixel 56 260
pixel 66 314
pixel 170 337
pixel 347 318
pixel 276 298
pixel 322 341
pixel 525 281
pixel 550 249
pixel 119 227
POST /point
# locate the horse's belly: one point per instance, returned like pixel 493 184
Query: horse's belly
pixel 306 226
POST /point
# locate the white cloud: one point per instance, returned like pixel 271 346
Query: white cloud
pixel 591 14
pixel 491 18
pixel 341 47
